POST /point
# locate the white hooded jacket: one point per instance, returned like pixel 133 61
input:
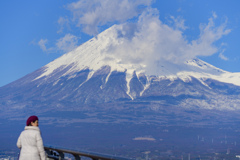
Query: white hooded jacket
pixel 31 144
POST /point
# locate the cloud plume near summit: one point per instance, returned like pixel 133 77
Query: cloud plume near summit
pixel 151 41
pixel 142 36
pixel 148 36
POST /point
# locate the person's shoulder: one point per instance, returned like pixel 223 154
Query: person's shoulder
pixel 32 128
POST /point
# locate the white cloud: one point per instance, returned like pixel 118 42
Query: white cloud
pixel 151 41
pixel 179 22
pixel 209 34
pixel 63 21
pixel 67 43
pixel 214 15
pixel 223 57
pixel 64 44
pixel 42 43
pixel 179 9
pixel 90 14
pixel 148 40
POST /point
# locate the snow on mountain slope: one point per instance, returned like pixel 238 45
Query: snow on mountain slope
pixel 94 54
pixel 91 74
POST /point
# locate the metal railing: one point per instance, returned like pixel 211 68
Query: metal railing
pixel 58 154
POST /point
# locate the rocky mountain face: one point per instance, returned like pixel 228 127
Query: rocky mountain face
pixel 72 92
pixel 87 76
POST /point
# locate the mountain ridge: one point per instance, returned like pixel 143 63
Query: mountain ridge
pixel 92 55
pixel 91 75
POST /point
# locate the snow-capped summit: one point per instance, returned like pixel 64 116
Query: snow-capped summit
pixel 94 54
pixel 94 73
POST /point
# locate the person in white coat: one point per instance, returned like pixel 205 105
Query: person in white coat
pixel 30 141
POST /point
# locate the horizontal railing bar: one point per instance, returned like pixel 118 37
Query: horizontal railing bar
pixel 86 154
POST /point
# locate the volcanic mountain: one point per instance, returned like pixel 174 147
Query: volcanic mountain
pixel 90 75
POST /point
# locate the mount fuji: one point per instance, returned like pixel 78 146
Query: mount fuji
pixel 91 74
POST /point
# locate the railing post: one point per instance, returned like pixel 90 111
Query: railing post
pixel 77 157
pixel 61 155
pixel 48 151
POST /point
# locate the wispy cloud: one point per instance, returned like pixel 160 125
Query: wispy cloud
pixel 64 44
pixel 222 56
pixel 63 22
pixel 91 14
pixel 179 22
pixel 42 43
pixel 209 33
pixel 67 43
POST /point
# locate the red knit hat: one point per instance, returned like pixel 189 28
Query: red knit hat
pixel 31 119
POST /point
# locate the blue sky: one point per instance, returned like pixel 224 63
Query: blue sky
pixel 33 33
